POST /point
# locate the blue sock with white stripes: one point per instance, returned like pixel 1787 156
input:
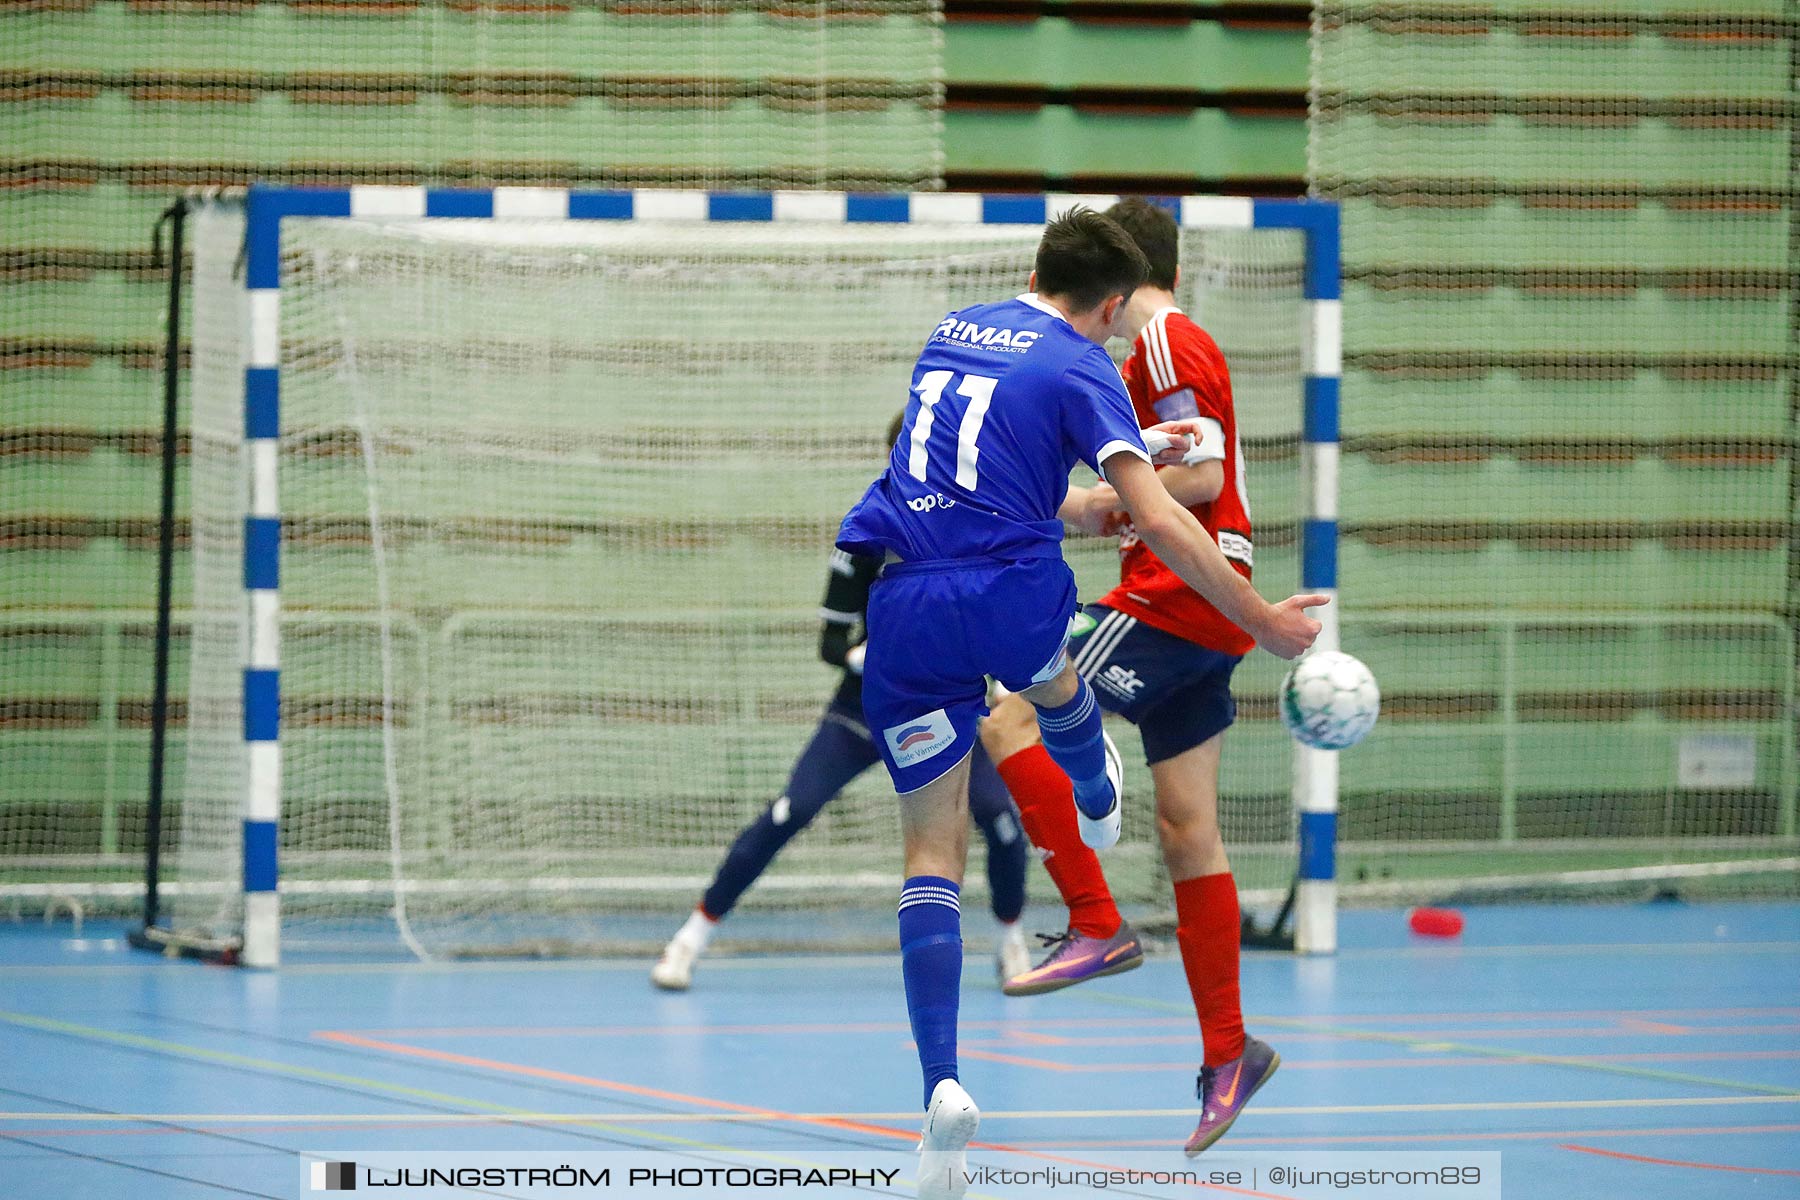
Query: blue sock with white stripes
pixel 1072 736
pixel 931 954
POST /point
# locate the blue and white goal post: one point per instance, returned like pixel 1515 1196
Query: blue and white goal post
pixel 268 209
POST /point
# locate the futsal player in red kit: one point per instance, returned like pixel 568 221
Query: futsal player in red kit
pixel 1157 653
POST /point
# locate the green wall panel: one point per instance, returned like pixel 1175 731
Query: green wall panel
pixel 1062 141
pixel 1057 53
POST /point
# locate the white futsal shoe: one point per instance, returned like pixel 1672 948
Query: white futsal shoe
pixel 674 971
pixel 1102 833
pixel 950 1121
pixel 1011 957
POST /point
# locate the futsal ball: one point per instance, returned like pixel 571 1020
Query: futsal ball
pixel 1329 700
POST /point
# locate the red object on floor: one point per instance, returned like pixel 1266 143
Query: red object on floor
pixel 1435 922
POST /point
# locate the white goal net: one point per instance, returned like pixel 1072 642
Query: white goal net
pixel 557 501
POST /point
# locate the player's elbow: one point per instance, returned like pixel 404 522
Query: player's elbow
pixel 1209 481
pixel 1195 494
pixel 1198 484
pixel 1158 526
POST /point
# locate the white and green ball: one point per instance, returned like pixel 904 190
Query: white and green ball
pixel 1330 700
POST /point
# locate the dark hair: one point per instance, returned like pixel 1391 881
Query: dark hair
pixel 1154 230
pixel 893 433
pixel 1085 258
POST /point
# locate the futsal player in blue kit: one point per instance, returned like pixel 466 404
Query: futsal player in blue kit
pixel 841 749
pixel 1005 399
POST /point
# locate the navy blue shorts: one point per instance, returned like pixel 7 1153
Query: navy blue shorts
pixel 1176 693
pixel 937 630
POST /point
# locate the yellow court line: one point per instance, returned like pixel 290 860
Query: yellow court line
pixel 513 1115
pixel 201 1054
pixel 522 1116
pixel 600 1122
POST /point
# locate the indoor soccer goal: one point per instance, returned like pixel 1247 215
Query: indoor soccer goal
pixel 511 512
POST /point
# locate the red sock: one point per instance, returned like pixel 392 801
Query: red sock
pixel 1047 806
pixel 1208 928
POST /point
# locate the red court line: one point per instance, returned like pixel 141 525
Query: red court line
pixel 298 1127
pixel 1347 1139
pixel 607 1085
pixel 1178 1039
pixel 1690 1055
pixel 1044 1064
pixel 810 1027
pixel 1676 1162
pixel 1606 1031
pixel 1411 1062
pixel 65 1131
pixel 1421 1035
pixel 1627 1025
pixel 1560 1015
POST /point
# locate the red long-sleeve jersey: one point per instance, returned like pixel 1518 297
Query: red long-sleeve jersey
pixel 1176 372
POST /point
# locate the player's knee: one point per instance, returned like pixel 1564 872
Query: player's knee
pixel 1009 728
pixel 946 862
pixel 1188 830
pixel 788 815
pixel 1056 691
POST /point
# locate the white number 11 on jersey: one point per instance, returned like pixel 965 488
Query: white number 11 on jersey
pixel 980 391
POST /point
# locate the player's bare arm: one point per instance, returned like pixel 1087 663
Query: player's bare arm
pixel 1102 512
pixel 1283 629
pixel 1097 510
pixel 1090 509
pixel 1189 482
pixel 1198 484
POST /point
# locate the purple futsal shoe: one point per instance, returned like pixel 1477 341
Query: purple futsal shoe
pixel 1074 957
pixel 1225 1091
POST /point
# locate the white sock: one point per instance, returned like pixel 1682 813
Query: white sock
pixel 697 932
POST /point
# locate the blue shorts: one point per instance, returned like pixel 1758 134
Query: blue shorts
pixel 1178 694
pixel 937 630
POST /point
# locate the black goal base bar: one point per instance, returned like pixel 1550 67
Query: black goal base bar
pixel 169 944
pixel 1278 934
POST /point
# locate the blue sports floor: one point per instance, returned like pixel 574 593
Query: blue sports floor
pixel 1634 1051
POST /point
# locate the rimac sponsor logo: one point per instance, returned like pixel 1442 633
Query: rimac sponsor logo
pixel 333 1176
pixel 916 741
pixel 983 337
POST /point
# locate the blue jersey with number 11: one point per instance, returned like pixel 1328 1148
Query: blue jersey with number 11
pixel 1006 398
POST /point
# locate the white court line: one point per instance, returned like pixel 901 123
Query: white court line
pixel 629 964
pixel 910 1115
pixel 813 962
